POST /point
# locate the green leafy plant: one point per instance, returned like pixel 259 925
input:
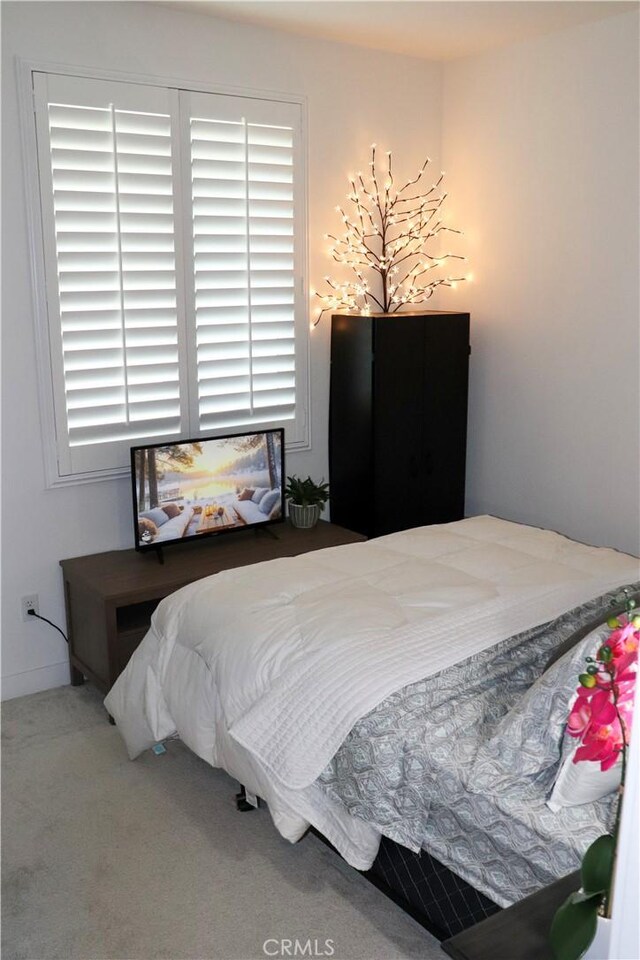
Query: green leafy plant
pixel 306 492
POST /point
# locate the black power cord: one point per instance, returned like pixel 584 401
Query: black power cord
pixel 32 613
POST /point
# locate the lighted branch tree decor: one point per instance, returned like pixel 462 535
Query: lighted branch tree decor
pixel 387 233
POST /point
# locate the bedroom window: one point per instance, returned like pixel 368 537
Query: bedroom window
pixel 242 195
pixel 173 239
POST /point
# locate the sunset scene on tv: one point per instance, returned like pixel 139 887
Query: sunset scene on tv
pixel 186 489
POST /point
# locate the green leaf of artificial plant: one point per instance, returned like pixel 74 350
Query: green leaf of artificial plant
pixel 579 896
pixel 597 865
pixel 573 928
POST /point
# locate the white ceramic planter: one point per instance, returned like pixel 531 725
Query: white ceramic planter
pixel 304 517
pixel 599 948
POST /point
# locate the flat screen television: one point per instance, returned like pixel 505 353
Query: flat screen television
pixel 199 488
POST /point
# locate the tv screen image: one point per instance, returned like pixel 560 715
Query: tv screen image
pixel 193 488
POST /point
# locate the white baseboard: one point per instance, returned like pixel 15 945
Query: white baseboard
pixel 32 681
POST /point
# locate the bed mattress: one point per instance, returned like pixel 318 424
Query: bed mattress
pixel 265 670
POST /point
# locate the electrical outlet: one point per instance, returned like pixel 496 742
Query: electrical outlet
pixel 29 603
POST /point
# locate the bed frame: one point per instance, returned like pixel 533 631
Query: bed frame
pixel 441 901
pixel 431 893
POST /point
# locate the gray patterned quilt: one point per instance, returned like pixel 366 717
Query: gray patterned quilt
pixel 428 766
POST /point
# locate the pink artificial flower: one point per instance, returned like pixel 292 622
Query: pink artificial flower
pixel 604 745
pixel 624 661
pixel 602 711
pixel 579 718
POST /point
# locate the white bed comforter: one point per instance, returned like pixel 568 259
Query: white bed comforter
pixel 263 670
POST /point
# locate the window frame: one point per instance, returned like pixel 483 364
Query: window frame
pixel 37 240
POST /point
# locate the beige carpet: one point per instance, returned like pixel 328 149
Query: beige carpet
pixel 104 858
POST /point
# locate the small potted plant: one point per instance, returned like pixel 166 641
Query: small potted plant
pixel 306 500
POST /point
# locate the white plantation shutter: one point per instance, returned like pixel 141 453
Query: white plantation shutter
pixel 245 184
pixel 173 253
pixel 108 162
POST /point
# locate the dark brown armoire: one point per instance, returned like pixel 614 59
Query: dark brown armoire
pixel 398 420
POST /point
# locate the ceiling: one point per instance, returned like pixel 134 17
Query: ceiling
pixel 434 29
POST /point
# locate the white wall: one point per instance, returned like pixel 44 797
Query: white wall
pixel 354 97
pixel 541 149
pixel 540 145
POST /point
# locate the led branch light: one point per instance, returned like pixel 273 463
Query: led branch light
pixel 385 237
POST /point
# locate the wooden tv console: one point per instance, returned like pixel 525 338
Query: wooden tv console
pixel 110 597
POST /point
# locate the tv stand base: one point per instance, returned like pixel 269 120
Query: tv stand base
pixel 77 677
pixel 269 532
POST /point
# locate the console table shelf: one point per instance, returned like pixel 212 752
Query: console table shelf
pixel 110 597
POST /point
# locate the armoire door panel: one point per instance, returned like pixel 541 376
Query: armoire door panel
pixel 446 351
pixel 398 430
pixel 350 423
